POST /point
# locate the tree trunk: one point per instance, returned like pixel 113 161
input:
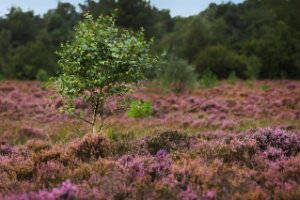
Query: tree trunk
pixel 95 117
pixel 94 129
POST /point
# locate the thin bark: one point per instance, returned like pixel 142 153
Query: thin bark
pixel 95 115
pixel 101 114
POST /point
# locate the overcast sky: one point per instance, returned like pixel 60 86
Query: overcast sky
pixel 177 7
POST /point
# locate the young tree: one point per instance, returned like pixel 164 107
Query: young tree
pixel 101 61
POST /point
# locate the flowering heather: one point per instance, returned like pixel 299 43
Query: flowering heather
pixel 157 166
pixel 285 141
pixel 92 146
pixel 67 191
pixel 227 142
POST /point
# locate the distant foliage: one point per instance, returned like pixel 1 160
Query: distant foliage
pixel 264 88
pixel 266 33
pixel 176 74
pixel 139 109
pixel 250 84
pixel 232 78
pixel 254 67
pixel 221 61
pixel 208 79
pixel 42 75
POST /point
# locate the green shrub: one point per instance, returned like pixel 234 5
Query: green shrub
pixel 139 109
pixel 42 75
pixel 232 78
pixel 208 79
pixel 176 74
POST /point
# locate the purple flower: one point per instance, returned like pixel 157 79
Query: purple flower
pixel 188 194
pixel 67 191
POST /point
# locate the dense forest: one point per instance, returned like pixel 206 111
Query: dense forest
pixel 256 39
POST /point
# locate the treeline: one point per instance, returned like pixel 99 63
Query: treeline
pixel 254 39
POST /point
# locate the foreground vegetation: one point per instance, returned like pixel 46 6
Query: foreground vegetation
pixel 233 141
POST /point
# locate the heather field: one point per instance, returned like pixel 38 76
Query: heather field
pixel 232 141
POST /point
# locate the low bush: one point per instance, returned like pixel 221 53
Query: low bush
pixel 26 133
pixel 156 167
pixel 169 141
pixel 121 142
pixel 176 74
pixel 65 191
pixel 37 145
pixel 50 174
pixel 92 147
pixel 287 142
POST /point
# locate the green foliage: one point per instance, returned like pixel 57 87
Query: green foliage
pixel 139 109
pixel 2 77
pixel 232 78
pixel 254 67
pixel 60 23
pixel 250 84
pixel 176 74
pixel 42 75
pixel 208 79
pixel 277 50
pixel 102 61
pixel 264 87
